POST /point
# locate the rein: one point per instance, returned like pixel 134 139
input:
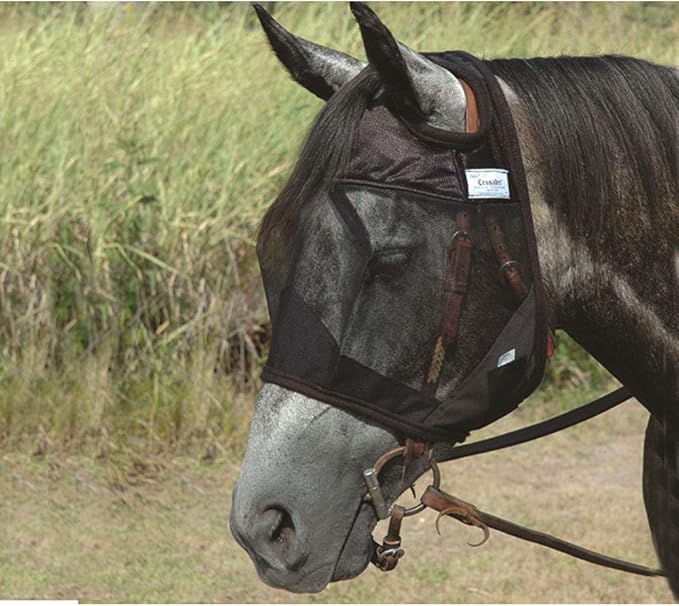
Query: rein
pixel 387 555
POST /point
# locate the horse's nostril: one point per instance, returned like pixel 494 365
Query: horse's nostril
pixel 281 529
pixel 269 536
pixel 273 537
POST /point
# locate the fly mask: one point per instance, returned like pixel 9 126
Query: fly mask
pixel 465 197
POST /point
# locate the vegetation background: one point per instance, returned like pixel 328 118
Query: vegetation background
pixel 141 144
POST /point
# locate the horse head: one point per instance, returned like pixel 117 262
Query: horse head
pixel 358 256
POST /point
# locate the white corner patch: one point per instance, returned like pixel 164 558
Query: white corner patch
pixel 506 358
pixel 490 183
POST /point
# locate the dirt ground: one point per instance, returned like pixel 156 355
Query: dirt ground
pixel 157 530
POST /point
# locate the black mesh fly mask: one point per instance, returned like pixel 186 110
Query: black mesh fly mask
pixel 412 294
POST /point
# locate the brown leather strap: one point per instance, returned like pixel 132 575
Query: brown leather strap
pixel 508 267
pixel 469 514
pixel 414 450
pixel 457 284
pixel 387 555
pixel 471 124
pixel 459 269
pixel 394 532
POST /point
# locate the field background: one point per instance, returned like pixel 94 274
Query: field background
pixel 141 145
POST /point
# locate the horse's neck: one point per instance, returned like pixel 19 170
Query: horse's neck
pixel 619 318
pixel 609 313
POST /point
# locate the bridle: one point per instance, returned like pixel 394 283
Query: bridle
pixel 387 554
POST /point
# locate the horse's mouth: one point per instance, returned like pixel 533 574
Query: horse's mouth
pixel 315 575
pixel 343 557
pixel 358 547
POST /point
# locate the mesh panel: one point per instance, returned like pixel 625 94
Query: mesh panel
pixel 359 289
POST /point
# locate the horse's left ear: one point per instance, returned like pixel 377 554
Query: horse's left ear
pixel 319 69
pixel 419 83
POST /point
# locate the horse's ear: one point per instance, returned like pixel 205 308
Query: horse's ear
pixel 318 69
pixel 420 84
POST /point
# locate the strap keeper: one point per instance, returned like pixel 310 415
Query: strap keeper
pixel 507 266
pixel 461 233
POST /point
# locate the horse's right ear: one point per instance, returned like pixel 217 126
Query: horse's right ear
pixel 318 69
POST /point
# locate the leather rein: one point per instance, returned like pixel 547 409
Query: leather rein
pixel 387 555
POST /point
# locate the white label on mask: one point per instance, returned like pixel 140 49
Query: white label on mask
pixel 506 358
pixel 488 183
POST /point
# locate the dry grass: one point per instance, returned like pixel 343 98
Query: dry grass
pixel 156 530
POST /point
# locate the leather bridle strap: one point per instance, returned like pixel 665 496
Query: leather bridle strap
pixel 508 267
pixel 459 269
pixel 471 117
pixel 457 283
pixel 466 513
pixel 538 430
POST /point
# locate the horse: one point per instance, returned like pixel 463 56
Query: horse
pixel 599 140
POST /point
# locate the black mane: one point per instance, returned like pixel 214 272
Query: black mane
pixel 603 124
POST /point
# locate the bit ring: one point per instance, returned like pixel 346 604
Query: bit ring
pixel 400 452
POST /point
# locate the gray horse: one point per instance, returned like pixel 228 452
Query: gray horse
pixel 599 138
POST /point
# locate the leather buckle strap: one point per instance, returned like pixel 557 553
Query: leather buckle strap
pixel 459 270
pixel 387 555
pixel 509 268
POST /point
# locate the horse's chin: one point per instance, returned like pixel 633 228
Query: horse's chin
pixel 358 548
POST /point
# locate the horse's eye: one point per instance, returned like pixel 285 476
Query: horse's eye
pixel 386 265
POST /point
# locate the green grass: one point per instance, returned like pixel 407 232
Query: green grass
pixel 140 147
